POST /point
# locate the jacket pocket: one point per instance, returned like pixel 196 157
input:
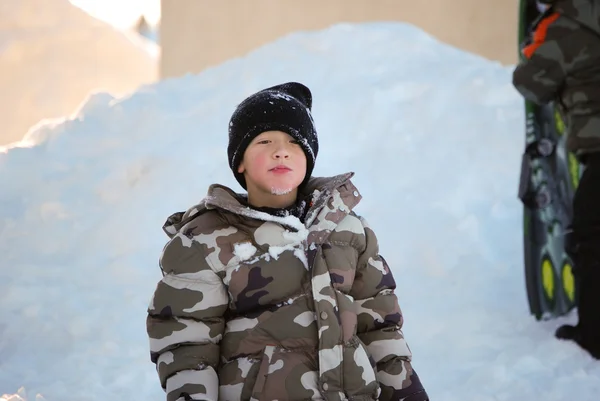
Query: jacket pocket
pixel 286 375
pixel 359 371
pixel 236 379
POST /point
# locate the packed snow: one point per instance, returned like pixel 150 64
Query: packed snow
pixel 53 54
pixel 435 137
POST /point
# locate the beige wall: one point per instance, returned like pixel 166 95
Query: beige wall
pixel 53 54
pixel 196 34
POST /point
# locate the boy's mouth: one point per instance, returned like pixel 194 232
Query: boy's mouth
pixel 280 169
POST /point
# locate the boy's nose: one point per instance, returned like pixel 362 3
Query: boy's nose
pixel 282 155
pixel 282 152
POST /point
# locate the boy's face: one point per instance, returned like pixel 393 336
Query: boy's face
pixel 274 165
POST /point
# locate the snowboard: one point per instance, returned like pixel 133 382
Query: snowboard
pixel 549 176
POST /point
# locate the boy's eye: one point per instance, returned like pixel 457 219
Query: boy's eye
pixel 263 141
pixel 295 142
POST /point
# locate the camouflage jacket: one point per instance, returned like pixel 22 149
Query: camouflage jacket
pixel 562 64
pixel 255 306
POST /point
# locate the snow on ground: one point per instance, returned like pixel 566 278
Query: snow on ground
pixel 52 54
pixel 434 135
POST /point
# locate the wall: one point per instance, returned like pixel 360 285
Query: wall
pixel 196 34
pixel 53 54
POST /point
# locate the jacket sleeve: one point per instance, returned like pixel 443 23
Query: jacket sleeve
pixel 546 61
pixel 185 322
pixel 541 73
pixel 380 325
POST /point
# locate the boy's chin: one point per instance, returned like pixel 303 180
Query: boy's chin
pixel 282 187
pixel 280 191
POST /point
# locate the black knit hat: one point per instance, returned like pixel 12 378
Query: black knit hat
pixel 286 108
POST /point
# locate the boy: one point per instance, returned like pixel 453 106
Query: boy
pixel 280 294
pixel 562 64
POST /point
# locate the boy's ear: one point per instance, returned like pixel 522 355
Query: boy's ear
pixel 241 168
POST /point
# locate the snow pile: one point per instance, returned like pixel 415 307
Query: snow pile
pixel 434 136
pixel 52 54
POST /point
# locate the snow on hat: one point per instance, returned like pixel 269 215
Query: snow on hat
pixel 285 107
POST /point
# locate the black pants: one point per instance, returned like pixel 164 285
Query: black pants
pixel 586 234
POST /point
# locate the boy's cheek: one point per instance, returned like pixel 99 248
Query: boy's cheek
pixel 257 162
